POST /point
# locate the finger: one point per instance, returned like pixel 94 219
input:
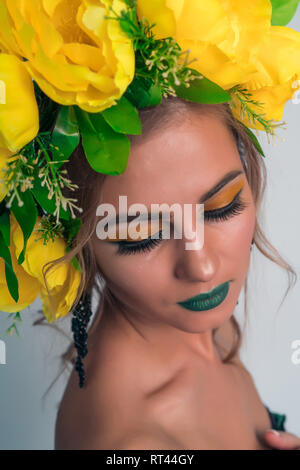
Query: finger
pixel 282 440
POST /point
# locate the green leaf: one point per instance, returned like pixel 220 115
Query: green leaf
pixel 154 96
pixel 143 93
pixel 202 90
pixel 65 133
pixel 26 216
pixel 254 139
pixel 106 150
pixel 11 278
pixel 123 117
pixel 41 194
pixel 76 264
pixel 72 227
pixel 283 11
pixel 74 261
pixel 48 109
pixel 5 227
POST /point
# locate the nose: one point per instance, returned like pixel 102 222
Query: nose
pixel 199 264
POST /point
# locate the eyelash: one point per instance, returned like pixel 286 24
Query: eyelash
pixel 235 207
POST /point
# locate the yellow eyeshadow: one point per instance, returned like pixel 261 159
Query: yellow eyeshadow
pixel 144 230
pixel 225 197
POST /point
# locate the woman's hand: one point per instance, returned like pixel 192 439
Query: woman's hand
pixel 282 440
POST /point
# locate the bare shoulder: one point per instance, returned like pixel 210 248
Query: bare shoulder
pixel 109 411
pixel 225 336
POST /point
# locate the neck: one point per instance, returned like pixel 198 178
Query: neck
pixel 161 339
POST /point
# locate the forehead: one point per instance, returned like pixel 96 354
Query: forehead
pixel 177 164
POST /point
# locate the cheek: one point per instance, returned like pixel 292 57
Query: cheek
pixel 129 275
pixel 239 234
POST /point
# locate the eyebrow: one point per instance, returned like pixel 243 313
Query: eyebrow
pixel 231 175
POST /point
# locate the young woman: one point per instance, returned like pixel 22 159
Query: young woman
pixel 163 373
pixel 163 369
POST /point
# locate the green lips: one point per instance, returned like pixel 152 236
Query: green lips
pixel 208 300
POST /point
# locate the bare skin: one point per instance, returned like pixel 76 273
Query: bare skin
pixel 155 378
pixel 182 403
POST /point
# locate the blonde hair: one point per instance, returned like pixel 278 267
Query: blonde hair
pixel 154 120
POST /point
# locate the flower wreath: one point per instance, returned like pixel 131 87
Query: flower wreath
pixel 79 70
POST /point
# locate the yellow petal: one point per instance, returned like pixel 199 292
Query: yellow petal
pixel 19 115
pixel 7 39
pixel 61 298
pixel 29 288
pixel 217 66
pixel 84 54
pixel 50 5
pixel 159 13
pixel 273 99
pixel 249 23
pixel 4 154
pixel 220 34
pixel 278 59
pixel 46 35
pixel 200 20
pixel 75 54
pixel 37 255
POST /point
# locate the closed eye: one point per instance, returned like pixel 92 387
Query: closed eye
pixel 236 206
pixel 222 214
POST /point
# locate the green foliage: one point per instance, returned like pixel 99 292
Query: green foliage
pixel 247 104
pixel 254 140
pixel 26 215
pixel 71 228
pixel 48 109
pixel 123 117
pixel 34 171
pixel 143 93
pixel 283 11
pixel 107 151
pixel 49 229
pixel 13 327
pixel 161 61
pixel 74 261
pixel 54 179
pixel 11 278
pixel 65 135
pixel 203 90
pixel 5 226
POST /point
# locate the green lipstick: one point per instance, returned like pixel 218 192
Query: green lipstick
pixel 208 300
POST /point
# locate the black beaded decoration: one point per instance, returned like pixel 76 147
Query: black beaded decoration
pixel 81 316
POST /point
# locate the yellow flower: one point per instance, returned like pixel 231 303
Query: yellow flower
pixel 62 297
pixel 4 153
pixel 62 280
pixel 234 43
pixel 158 12
pixel 29 288
pixel 5 157
pixel 278 70
pixel 76 55
pixel 220 34
pixel 19 114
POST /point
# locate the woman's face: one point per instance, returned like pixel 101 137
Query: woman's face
pixel 180 165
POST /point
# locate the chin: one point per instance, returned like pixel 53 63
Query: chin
pixel 200 321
